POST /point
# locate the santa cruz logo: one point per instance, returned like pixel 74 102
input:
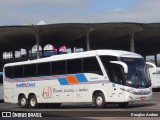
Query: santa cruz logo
pixel 18 85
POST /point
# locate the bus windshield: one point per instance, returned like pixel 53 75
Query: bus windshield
pixel 137 72
pixel 1 77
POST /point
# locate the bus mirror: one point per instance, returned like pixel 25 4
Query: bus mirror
pixel 124 65
pixel 153 65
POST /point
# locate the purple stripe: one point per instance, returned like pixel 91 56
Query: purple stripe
pixel 55 77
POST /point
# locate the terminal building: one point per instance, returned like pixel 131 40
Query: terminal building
pixel 19 43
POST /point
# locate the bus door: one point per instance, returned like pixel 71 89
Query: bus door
pixel 117 77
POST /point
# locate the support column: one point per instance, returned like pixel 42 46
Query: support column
pixel 87 38
pixel 87 41
pixel 37 43
pixel 156 62
pixel 132 46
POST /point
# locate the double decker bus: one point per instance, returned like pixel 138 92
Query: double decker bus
pixel 98 76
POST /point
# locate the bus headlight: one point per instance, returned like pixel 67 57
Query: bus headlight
pixel 140 92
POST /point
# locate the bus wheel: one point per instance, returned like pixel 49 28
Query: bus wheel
pixel 123 105
pixel 23 102
pixel 33 101
pixel 99 100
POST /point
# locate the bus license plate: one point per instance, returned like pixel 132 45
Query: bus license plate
pixel 142 98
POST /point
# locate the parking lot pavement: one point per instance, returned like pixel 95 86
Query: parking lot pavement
pixel 87 111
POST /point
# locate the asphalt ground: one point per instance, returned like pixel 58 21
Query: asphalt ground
pixel 140 110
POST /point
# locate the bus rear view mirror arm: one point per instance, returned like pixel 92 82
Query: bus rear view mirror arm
pixel 124 65
pixel 153 65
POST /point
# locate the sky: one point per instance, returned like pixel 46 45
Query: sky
pixel 19 12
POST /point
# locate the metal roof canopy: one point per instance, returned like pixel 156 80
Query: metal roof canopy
pixel 99 35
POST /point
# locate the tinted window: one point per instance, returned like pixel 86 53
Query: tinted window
pixel 58 68
pixel 9 72
pixel 43 69
pixel 114 71
pixel 117 74
pixel 106 59
pixel 18 71
pixel 91 65
pixel 74 66
pixel 106 62
pixel 30 70
pixel 1 78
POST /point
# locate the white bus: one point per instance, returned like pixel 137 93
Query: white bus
pixel 154 73
pixel 99 76
pixel 1 85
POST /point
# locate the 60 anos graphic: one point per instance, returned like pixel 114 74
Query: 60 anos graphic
pixel 47 92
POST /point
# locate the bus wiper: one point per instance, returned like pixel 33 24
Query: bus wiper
pixel 136 82
pixel 137 78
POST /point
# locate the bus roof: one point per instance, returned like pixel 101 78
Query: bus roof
pixel 116 53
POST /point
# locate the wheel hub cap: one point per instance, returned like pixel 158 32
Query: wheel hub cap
pixel 23 101
pixel 99 101
pixel 33 102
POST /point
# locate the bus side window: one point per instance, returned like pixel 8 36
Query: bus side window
pixel 74 66
pixel 91 65
pixel 9 72
pixel 43 69
pixel 30 70
pixel 58 68
pixel 18 71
